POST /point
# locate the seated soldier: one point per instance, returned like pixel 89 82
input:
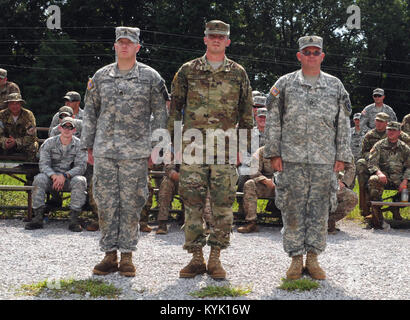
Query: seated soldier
pixel 346 198
pixel 405 125
pixel 62 165
pixel 63 112
pixel 389 166
pixel 259 185
pixel 18 128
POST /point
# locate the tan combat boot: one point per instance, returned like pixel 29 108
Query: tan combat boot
pixel 127 269
pixel 251 226
pixel 107 265
pixel 215 269
pixel 196 266
pixel 144 227
pixel 296 268
pixel 162 227
pixel 312 266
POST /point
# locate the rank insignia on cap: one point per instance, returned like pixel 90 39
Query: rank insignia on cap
pixel 90 84
pixel 274 91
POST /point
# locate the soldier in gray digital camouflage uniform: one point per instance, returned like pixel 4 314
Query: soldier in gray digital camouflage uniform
pixel 308 142
pixel 62 165
pixel 63 112
pixel 119 102
pixel 370 111
pixel 356 137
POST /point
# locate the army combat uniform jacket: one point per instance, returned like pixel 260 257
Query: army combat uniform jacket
pixel 117 112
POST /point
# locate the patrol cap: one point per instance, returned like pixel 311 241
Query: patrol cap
pixel 132 34
pixel 259 101
pixel 217 27
pixel 3 73
pixel 72 96
pixel 357 115
pixel 378 91
pixel 68 120
pixel 310 41
pixel 66 109
pixel 262 112
pixel 393 125
pixel 382 116
pixel 15 97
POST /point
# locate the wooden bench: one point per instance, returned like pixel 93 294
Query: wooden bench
pixel 28 189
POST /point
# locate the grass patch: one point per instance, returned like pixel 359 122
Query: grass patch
pixel 303 284
pixel 220 291
pixel 89 287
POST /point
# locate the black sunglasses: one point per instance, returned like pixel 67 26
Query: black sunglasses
pixel 63 115
pixel 377 95
pixel 315 53
pixel 67 127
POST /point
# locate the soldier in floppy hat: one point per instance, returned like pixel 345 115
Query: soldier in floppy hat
pixel 18 128
pixel 6 87
pixel 370 111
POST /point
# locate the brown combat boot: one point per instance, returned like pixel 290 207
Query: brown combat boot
pixel 296 268
pixel 127 269
pixel 37 222
pixel 312 266
pixel 107 265
pixel 196 266
pixel 251 226
pixel 215 269
pixel 144 227
pixel 162 227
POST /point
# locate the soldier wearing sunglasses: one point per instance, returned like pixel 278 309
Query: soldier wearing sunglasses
pixel 369 112
pixel 307 132
pixel 62 165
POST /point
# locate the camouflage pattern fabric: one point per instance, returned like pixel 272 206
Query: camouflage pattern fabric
pixel 211 99
pixel 117 112
pixel 369 115
pixel 307 124
pixel 205 98
pixel 54 159
pixel 308 128
pixel 26 142
pixel 254 188
pixel 305 194
pixel 55 121
pixel 347 200
pixel 145 210
pixel 356 140
pixel 9 87
pixel 119 205
pixel 193 188
pixel 168 189
pixel 89 172
pixel 393 159
pixel 405 125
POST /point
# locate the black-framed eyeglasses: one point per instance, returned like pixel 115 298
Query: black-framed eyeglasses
pixel 377 96
pixel 67 127
pixel 315 53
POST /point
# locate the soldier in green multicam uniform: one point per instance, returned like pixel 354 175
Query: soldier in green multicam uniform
pixel 212 92
pixel 116 131
pixel 389 166
pixel 363 174
pixel 405 125
pixel 308 142
pixel 6 88
pixel 18 128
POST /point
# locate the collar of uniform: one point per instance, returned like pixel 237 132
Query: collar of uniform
pixel 321 81
pixel 70 145
pixel 133 73
pixel 205 66
pixel 9 116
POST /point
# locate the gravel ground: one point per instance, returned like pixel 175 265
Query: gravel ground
pixel 360 264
